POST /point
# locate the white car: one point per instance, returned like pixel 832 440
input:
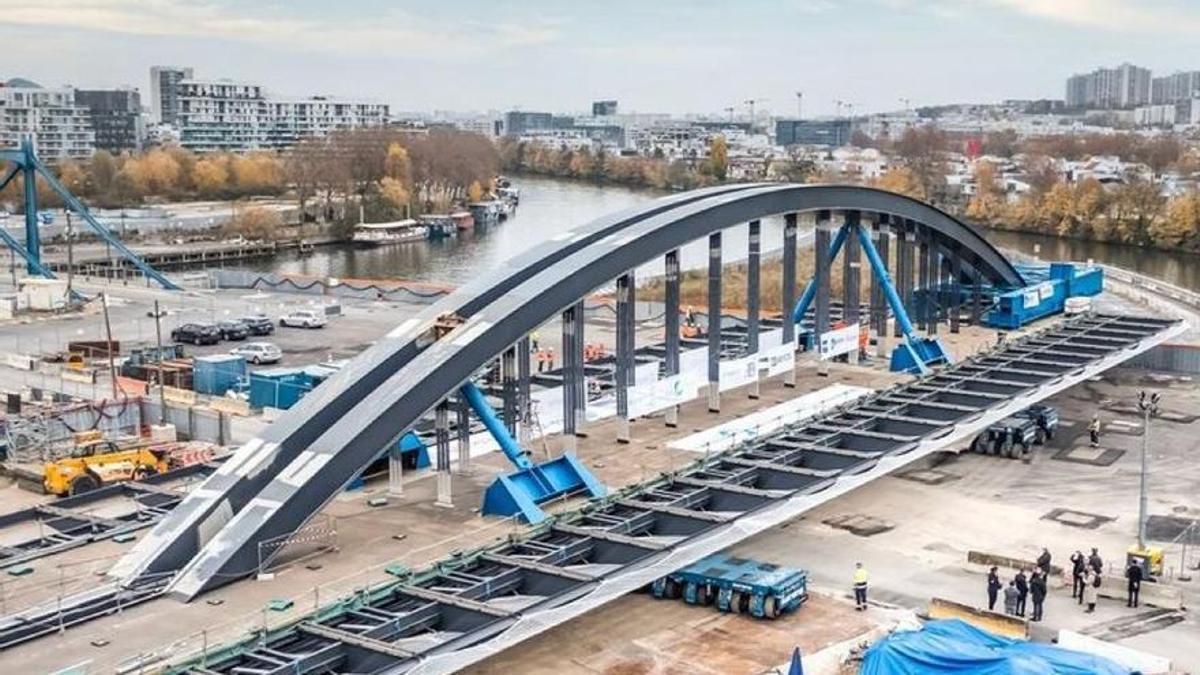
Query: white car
pixel 303 318
pixel 258 352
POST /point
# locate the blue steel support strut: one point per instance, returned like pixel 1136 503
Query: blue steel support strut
pixel 33 236
pixel 810 291
pixel 105 234
pixel 913 342
pixel 494 426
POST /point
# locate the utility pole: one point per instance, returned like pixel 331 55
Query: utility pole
pixel 162 385
pixel 70 257
pixel 112 364
pixel 1149 407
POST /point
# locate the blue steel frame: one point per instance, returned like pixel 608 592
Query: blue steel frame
pixel 25 162
pixel 916 353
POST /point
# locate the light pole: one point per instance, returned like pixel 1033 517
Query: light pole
pixel 1149 407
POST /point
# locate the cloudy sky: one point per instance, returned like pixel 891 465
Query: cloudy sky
pixel 653 55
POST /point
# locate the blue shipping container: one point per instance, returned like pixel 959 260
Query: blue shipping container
pixel 215 375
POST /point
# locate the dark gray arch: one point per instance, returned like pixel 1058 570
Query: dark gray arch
pixel 353 439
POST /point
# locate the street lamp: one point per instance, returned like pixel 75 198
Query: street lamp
pixel 1148 405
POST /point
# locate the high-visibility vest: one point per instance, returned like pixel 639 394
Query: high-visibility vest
pixel 860 577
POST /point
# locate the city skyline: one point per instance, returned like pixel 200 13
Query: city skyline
pixel 467 56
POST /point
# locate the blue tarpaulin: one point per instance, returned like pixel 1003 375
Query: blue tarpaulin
pixel 955 646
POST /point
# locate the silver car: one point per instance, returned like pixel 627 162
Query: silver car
pixel 258 352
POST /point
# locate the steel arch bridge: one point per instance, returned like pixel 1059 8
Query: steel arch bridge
pixel 276 482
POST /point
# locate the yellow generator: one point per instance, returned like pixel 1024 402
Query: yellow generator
pixel 97 463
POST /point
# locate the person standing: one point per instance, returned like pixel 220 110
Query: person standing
pixel 1078 567
pixel 1043 562
pixel 860 587
pixel 1022 591
pixel 1096 562
pixel 1037 590
pixel 993 588
pixel 1091 589
pixel 1133 573
pixel 1094 430
pixel 1010 599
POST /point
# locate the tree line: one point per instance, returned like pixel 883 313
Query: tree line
pixel 602 166
pixel 389 173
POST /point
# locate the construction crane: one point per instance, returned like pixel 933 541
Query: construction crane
pixel 750 102
pixel 799 105
pixel 730 111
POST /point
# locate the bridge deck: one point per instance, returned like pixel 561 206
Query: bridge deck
pixel 474 605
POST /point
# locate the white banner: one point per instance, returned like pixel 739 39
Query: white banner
pixel 645 399
pixel 838 342
pixel 777 360
pixel 694 360
pixel 738 372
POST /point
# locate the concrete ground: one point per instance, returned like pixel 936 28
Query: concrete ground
pixel 411 530
pixel 984 503
pixel 924 554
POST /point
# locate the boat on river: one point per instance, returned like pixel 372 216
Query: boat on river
pixel 370 235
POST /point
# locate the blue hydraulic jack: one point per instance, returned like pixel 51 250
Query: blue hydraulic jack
pixel 916 354
pixel 520 492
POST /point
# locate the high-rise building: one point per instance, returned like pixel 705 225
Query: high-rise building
pixel 60 128
pixel 116 117
pixel 164 92
pixel 219 115
pixel 517 123
pixel 1125 86
pixel 831 132
pixel 1175 88
pixel 604 108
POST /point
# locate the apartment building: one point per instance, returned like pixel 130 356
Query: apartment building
pixel 1125 86
pixel 116 117
pixel 219 115
pixel 61 129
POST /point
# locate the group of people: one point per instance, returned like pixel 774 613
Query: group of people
pixel 1087 574
pixel 1022 588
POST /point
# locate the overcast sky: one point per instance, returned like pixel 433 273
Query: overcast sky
pixel 652 55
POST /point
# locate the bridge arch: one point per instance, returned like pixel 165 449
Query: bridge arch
pixel 290 481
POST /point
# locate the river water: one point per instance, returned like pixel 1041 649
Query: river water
pixel 550 206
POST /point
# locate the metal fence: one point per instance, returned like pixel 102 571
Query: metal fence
pixel 196 424
pixel 1170 359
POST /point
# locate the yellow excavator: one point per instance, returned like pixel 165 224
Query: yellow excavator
pixel 100 462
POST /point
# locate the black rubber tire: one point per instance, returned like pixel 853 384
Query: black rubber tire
pixel 979 445
pixel 144 472
pixel 673 590
pixel 83 483
pixel 1039 437
pixel 703 595
pixel 771 607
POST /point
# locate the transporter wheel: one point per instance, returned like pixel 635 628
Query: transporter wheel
pixel 1040 437
pixel 979 445
pixel 771 607
pixel 83 483
pixel 673 590
pixel 704 595
pixel 737 603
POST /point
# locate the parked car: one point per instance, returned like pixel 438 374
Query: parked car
pixel 303 318
pixel 197 334
pixel 258 324
pixel 258 352
pixel 233 330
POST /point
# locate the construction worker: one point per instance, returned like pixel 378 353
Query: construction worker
pixel 534 338
pixel 1078 567
pixel 1094 430
pixel 860 587
pixel 549 358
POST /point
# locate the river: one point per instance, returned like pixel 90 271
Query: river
pixel 550 206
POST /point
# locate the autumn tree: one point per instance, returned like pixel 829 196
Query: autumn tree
pixel 902 180
pixel 210 175
pixel 1181 226
pixel 922 150
pixel 987 205
pixel 718 157
pixel 253 223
